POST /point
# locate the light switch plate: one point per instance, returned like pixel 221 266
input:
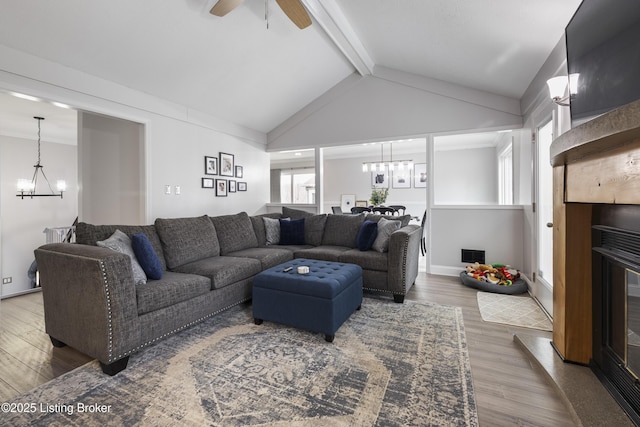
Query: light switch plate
pixel 167 189
pixel 178 189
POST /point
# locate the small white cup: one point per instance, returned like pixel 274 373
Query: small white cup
pixel 303 269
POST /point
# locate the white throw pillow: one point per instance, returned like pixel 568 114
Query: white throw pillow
pixel 272 230
pixel 120 242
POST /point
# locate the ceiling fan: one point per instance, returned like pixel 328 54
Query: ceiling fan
pixel 292 8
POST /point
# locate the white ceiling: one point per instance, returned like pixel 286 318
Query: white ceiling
pixel 236 69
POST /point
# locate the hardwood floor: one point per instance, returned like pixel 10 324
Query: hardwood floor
pixel 509 390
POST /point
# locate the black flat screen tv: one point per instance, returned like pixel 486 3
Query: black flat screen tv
pixel 603 47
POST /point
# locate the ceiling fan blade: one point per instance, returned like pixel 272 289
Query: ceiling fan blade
pixel 296 12
pixel 222 7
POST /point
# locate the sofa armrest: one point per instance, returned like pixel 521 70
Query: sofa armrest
pixel 89 299
pixel 404 252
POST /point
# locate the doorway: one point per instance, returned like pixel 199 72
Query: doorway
pixel 543 283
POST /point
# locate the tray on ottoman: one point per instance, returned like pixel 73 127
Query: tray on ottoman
pixel 319 301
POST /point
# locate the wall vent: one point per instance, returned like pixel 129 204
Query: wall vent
pixel 472 255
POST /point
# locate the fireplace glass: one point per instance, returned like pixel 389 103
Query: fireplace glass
pixel 632 358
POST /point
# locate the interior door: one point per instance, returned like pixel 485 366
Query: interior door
pixel 543 289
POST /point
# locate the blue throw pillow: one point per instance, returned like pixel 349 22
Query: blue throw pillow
pixel 146 256
pixel 292 232
pixel 366 235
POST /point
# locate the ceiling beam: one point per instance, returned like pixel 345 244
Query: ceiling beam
pixel 330 17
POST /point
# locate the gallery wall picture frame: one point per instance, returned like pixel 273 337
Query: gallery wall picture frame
pixel 207 183
pixel 347 201
pixel 231 186
pixel 210 165
pixel 420 175
pixel 226 164
pixel 380 179
pixel 239 172
pixel 221 187
pixel 242 186
pixel 401 179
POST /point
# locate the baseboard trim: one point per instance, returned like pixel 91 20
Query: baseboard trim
pixel 444 270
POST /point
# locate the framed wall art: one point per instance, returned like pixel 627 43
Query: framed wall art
pixel 207 182
pixel 347 201
pixel 221 187
pixel 226 164
pixel 420 175
pixel 239 172
pixel 380 179
pixel 210 165
pixel 231 186
pixel 401 179
pixel 242 186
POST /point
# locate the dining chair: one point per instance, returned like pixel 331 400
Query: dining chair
pixel 398 208
pixel 359 209
pixel 384 210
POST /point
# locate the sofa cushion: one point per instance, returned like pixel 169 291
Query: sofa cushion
pixel 171 289
pixel 235 232
pixel 268 257
pixel 89 234
pixel 366 235
pixel 223 270
pixel 295 213
pixel 341 230
pixel 146 256
pixel 292 231
pixel 314 229
pixel 185 240
pixel 324 253
pixel 120 242
pixel 258 226
pixel 385 228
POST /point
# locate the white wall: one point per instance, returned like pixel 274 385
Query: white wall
pixel 23 220
pixel 390 105
pixel 495 229
pixel 467 177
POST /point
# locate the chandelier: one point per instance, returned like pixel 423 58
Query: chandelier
pixel 391 165
pixel 28 188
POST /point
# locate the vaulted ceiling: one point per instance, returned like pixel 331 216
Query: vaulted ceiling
pixel 237 69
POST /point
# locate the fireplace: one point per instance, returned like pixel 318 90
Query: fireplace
pixel 616 303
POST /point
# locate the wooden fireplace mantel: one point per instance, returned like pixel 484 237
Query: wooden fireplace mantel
pixel 596 162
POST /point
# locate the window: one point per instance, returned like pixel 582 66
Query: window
pixel 298 186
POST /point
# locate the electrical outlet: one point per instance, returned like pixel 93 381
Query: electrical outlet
pixel 7 280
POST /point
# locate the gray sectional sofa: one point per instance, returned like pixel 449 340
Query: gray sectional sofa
pixel 93 304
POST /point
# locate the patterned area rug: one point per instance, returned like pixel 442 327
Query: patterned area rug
pixel 390 365
pixel 512 310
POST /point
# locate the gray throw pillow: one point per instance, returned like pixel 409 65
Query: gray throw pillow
pixel 120 242
pixel 385 228
pixel 271 230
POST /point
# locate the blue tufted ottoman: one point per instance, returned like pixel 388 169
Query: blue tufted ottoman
pixel 319 301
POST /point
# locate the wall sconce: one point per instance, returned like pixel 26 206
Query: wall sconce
pixel 27 188
pixel 558 86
